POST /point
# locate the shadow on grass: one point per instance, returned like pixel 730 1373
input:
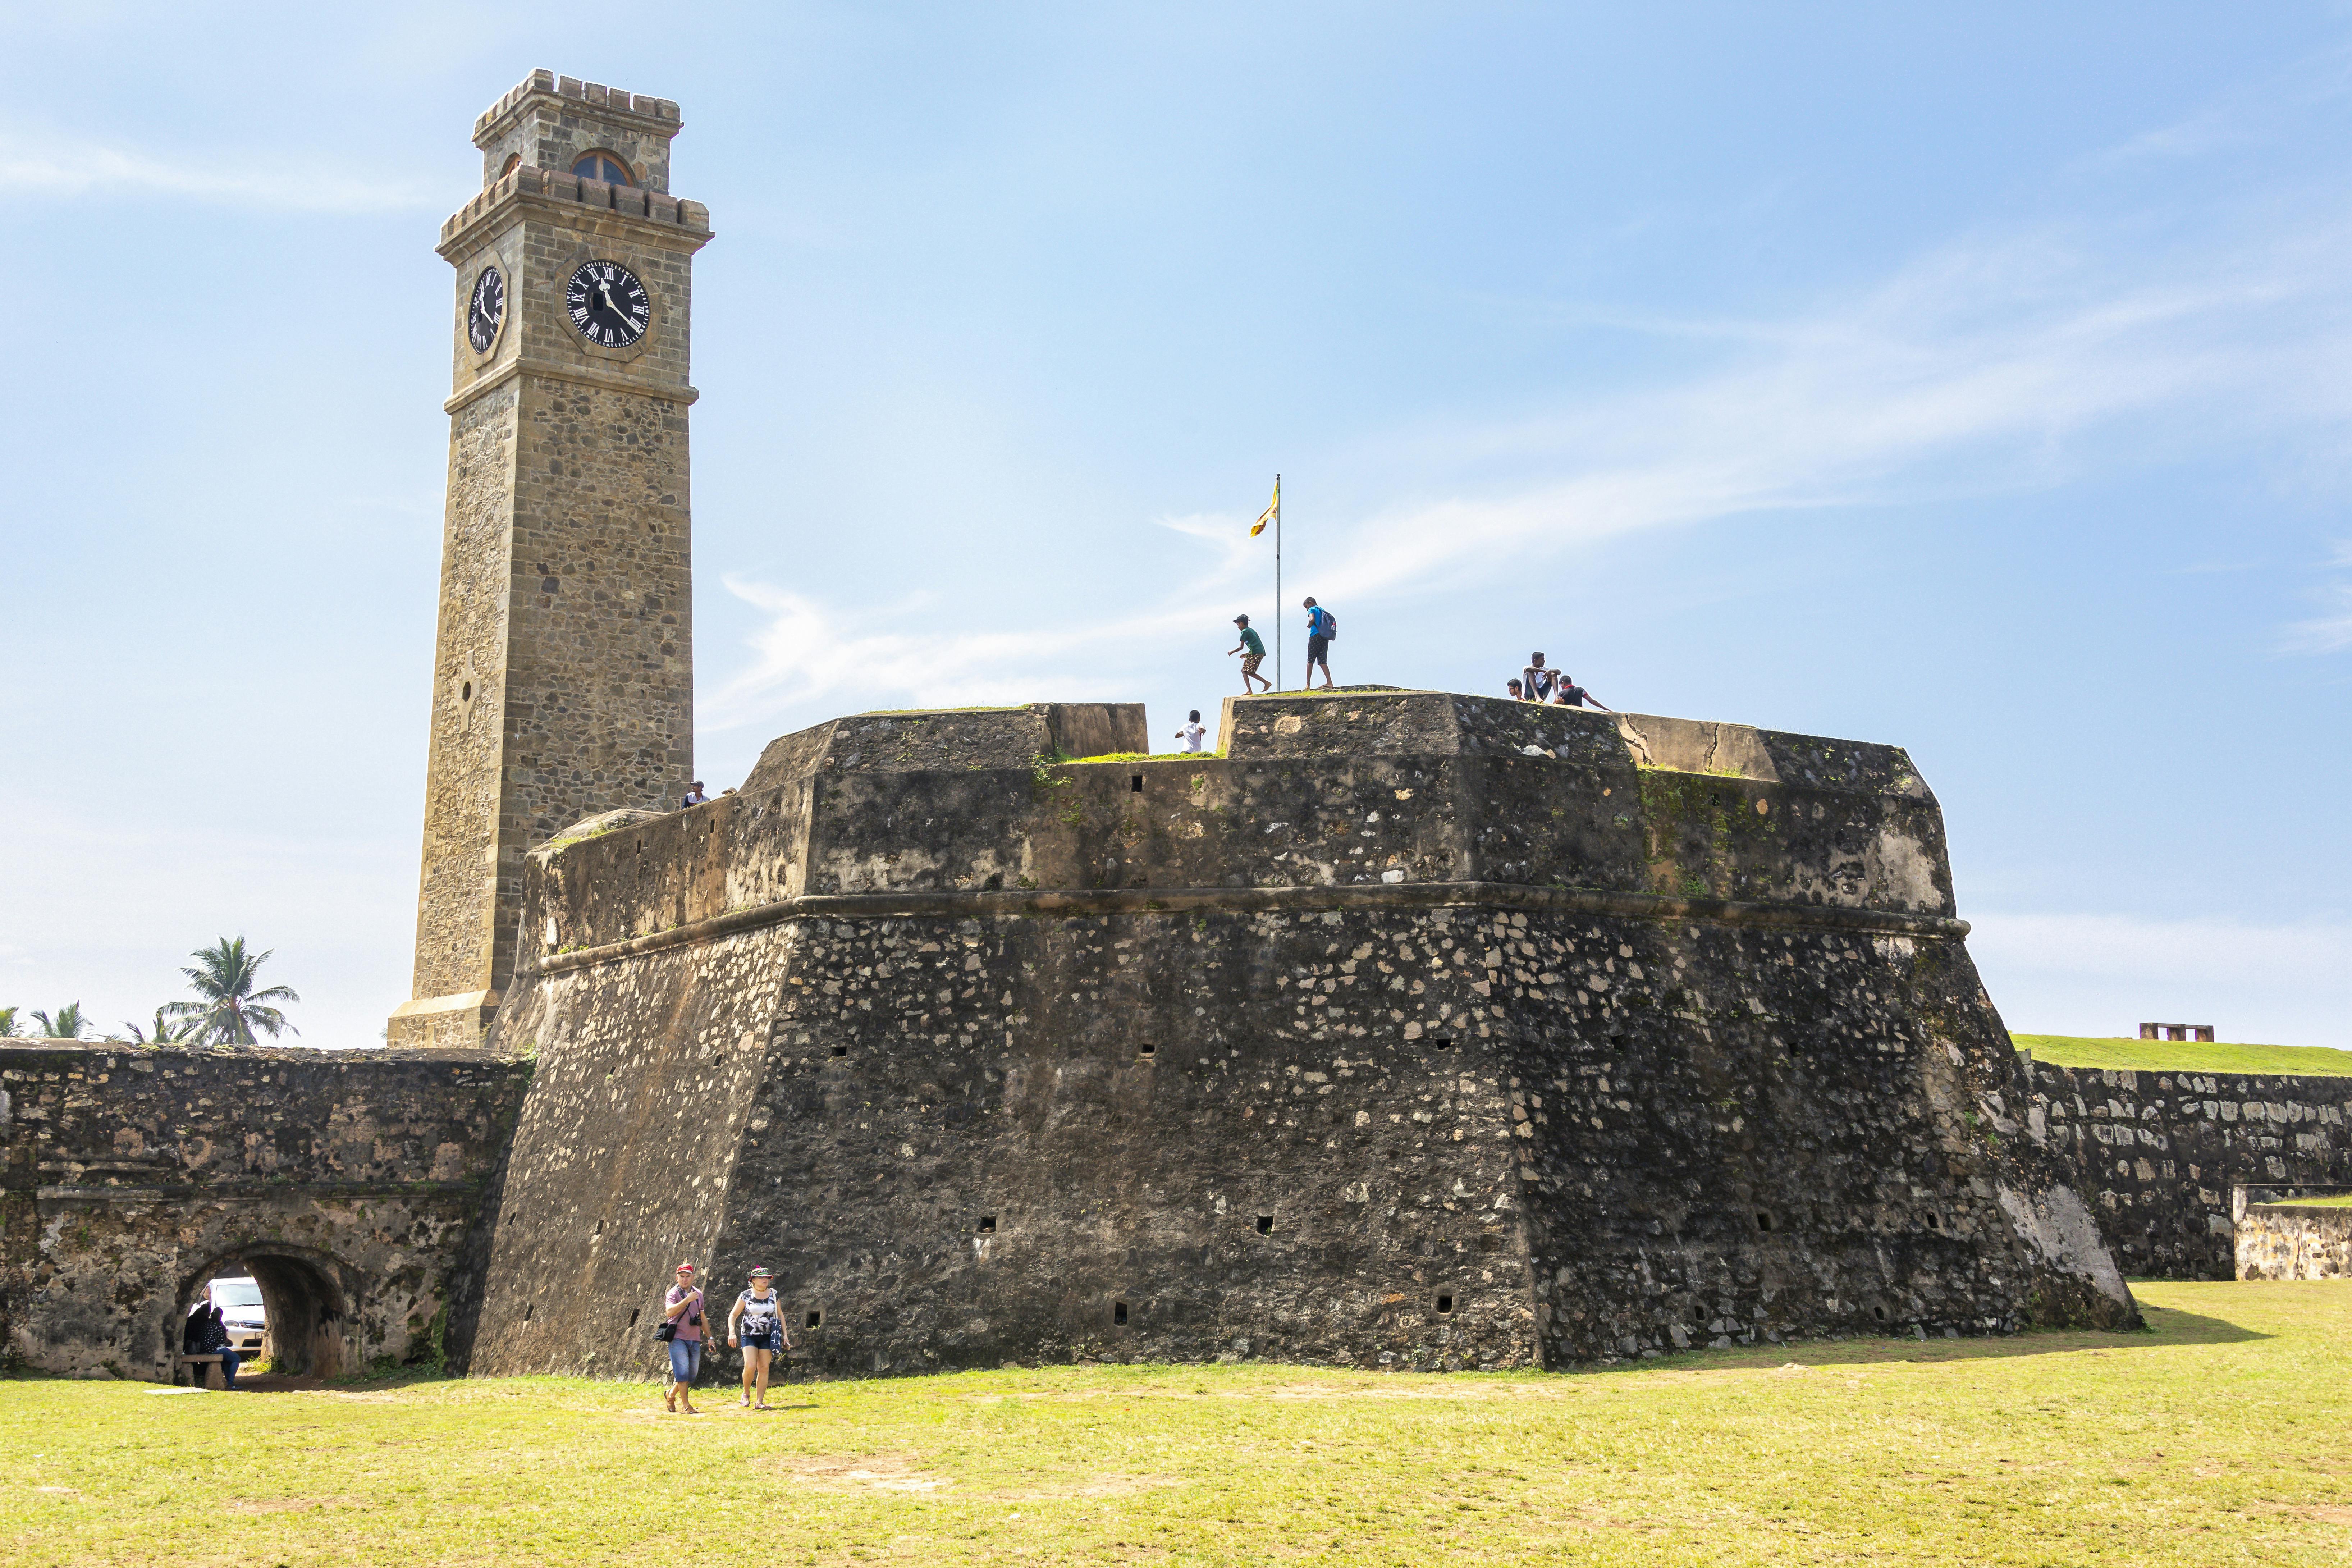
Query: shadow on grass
pixel 2165 1327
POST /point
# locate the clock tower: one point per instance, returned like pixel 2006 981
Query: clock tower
pixel 563 672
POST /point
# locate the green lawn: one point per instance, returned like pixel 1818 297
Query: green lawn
pixel 2223 1436
pixel 2340 1201
pixel 2185 1055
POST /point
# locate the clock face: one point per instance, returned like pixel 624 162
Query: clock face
pixel 608 305
pixel 488 309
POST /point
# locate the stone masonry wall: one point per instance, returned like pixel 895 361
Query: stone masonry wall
pixel 2162 1150
pixel 2294 1241
pixel 1419 1030
pixel 346 1179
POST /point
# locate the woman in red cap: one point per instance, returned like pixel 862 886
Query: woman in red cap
pixel 682 1326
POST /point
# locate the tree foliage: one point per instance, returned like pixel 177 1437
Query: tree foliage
pixel 232 1007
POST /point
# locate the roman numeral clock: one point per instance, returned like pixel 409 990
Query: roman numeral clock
pixel 563 670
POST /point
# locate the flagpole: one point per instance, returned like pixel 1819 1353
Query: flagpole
pixel 1277 584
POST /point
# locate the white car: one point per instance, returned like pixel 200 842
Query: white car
pixel 239 1301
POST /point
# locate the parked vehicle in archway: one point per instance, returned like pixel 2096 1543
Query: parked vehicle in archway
pixel 239 1300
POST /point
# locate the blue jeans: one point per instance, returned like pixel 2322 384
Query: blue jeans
pixel 685 1360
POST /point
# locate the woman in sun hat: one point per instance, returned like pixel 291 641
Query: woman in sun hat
pixel 682 1326
pixel 757 1325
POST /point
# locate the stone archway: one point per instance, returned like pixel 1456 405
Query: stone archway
pixel 307 1297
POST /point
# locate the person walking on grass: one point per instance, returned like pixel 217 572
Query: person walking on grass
pixel 1571 695
pixel 682 1327
pixel 1193 732
pixel 1253 651
pixel 1322 626
pixel 1541 682
pixel 758 1326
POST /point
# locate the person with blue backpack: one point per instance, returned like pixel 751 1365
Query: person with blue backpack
pixel 1322 626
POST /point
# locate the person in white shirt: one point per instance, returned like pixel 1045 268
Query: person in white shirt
pixel 1541 682
pixel 1194 733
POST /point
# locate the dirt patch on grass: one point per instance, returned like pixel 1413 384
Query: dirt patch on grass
pixel 292 1504
pixel 900 1473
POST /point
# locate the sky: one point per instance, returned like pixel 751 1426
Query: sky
pixel 1968 378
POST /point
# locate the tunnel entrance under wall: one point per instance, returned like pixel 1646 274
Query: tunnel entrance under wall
pixel 307 1298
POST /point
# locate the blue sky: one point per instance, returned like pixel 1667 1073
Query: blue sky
pixel 1968 378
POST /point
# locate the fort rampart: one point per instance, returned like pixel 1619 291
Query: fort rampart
pixel 345 1181
pixel 1417 1030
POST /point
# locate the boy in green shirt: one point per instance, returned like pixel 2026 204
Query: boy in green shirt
pixel 1252 652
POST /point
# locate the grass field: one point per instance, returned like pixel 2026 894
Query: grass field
pixel 2222 1436
pixel 2185 1055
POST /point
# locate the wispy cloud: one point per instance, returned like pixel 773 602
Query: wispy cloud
pixel 67 167
pixel 1984 368
pixel 2330 631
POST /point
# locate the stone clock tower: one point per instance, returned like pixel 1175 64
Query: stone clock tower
pixel 563 676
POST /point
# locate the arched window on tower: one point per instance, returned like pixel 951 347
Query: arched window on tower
pixel 603 166
pixel 514 162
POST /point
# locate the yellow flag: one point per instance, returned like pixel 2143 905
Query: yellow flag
pixel 1273 510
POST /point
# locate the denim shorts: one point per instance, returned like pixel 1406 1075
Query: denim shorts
pixel 770 1341
pixel 685 1360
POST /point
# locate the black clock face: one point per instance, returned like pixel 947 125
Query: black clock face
pixel 488 309
pixel 608 304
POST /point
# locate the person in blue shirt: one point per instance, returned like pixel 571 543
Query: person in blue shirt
pixel 1320 625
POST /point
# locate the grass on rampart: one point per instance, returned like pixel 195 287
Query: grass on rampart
pixel 2224 1435
pixel 2185 1055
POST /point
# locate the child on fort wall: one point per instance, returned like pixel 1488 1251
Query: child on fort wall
pixel 1194 733
pixel 1251 648
pixel 682 1328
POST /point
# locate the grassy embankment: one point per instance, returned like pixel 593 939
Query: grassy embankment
pixel 2185 1055
pixel 2224 1435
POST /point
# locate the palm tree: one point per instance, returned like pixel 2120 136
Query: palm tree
pixel 9 1029
pixel 230 1009
pixel 65 1024
pixel 168 1031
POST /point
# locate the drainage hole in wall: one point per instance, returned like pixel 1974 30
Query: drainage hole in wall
pixel 840 1050
pixel 1147 1049
pixel 1879 1313
pixel 1118 1312
pixel 1439 1043
pixel 527 1313
pixel 1764 1221
pixel 1265 1224
pixel 1135 784
pixel 1935 1224
pixel 988 1225
pixel 465 692
pixel 816 1318
pixel 1444 1304
pixel 633 1317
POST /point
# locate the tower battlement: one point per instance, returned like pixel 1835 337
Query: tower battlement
pixel 549 120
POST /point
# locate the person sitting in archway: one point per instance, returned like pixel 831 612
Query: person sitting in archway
pixel 192 1332
pixel 215 1342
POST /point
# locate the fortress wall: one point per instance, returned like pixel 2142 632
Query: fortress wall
pixel 1733 1134
pixel 2294 1241
pixel 131 1175
pixel 2162 1150
pixel 620 1162
pixel 947 1024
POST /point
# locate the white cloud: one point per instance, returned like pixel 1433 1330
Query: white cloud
pixel 1983 368
pixel 2330 631
pixel 2103 974
pixel 70 167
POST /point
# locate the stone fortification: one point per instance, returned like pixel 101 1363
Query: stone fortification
pixel 2280 1233
pixel 2162 1150
pixel 1418 1030
pixel 345 1180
